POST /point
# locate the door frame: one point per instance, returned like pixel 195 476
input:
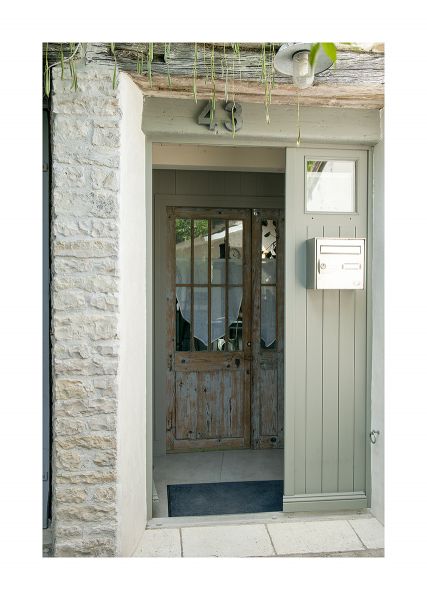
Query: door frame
pixel 160 202
pixel 179 137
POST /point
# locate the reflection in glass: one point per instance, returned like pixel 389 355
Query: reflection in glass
pixel 218 318
pixel 183 250
pixel 218 241
pixel 182 331
pixel 235 319
pixel 330 186
pixel 201 240
pixel 268 316
pixel 235 253
pixel 268 251
pixel 201 318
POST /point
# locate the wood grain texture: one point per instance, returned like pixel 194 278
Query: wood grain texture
pixel 356 80
pixel 209 391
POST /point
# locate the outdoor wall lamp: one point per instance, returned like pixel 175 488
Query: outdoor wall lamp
pixel 292 59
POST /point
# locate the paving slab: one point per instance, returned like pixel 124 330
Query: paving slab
pixel 313 537
pixel 160 543
pixel 226 541
pixel 370 531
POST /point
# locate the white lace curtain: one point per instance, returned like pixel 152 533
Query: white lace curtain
pixel 218 326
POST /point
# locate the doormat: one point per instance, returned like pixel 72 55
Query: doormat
pixel 224 498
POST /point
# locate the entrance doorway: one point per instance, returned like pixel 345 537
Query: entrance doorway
pixel 224 324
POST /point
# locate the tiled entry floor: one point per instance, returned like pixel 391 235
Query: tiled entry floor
pixel 211 467
pixel 353 534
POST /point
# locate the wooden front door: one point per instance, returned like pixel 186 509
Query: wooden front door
pixel 224 329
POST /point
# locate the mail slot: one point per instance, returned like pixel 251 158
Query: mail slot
pixel 336 263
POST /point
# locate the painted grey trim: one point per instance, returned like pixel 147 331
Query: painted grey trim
pixel 327 497
pixel 369 324
pixel 164 117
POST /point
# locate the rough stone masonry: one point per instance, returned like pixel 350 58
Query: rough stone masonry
pixel 85 198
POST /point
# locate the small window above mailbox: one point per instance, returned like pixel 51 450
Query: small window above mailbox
pixel 336 263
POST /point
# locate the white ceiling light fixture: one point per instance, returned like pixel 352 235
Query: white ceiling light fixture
pixel 293 59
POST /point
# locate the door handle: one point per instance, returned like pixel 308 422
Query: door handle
pixel 249 344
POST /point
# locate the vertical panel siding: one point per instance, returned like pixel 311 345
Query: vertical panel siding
pixel 331 322
pixel 326 345
pixel 360 384
pixel 314 382
pixel 346 383
pixel 300 369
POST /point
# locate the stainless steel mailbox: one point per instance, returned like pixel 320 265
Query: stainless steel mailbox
pixel 336 263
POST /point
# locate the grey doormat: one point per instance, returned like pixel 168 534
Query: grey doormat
pixel 225 498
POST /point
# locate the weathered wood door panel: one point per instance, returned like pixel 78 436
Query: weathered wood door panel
pixel 224 329
pixel 267 328
pixel 209 316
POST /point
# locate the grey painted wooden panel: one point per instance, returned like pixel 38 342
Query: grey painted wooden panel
pixel 220 183
pixel 313 383
pixel 346 382
pixel 300 369
pixel 330 382
pixel 360 433
pixel 326 336
pixel 163 181
pixel 163 117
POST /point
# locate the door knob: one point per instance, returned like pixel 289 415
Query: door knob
pixel 249 343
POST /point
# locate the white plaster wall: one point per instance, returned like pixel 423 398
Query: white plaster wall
pixel 377 386
pixel 131 488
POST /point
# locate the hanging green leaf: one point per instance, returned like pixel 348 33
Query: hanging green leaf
pixel 330 50
pixel 313 53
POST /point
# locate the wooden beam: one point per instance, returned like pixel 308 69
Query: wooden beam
pixel 368 96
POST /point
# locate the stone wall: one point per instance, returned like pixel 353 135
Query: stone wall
pixel 85 285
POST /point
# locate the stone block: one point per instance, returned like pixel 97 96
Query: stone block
pixel 88 283
pixel 71 388
pixel 66 129
pixel 107 458
pixel 90 477
pixel 93 441
pixel 104 266
pixel 67 154
pixel 104 494
pixel 96 547
pixel 85 248
pixel 86 105
pixel 66 176
pixel 104 179
pixel 68 299
pixel 106 136
pixel 69 460
pixel 72 495
pixel 71 531
pixel 98 203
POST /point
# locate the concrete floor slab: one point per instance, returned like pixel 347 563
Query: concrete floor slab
pixel 313 537
pixel 162 543
pixel 226 541
pixel 252 465
pixel 370 531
